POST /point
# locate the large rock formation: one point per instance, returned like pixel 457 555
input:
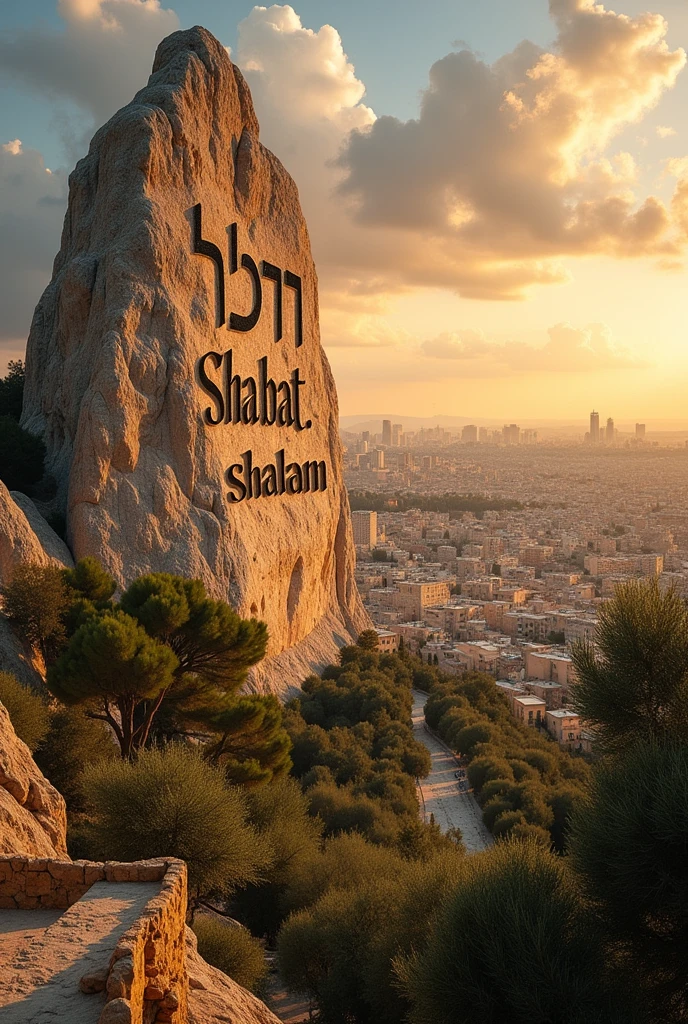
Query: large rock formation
pixel 33 818
pixel 25 536
pixel 184 239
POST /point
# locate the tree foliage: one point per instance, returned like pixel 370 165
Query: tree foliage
pixel 633 678
pixel 12 389
pixel 232 949
pixel 36 600
pixel 629 844
pixel 28 711
pixel 526 785
pixel 170 802
pixel 512 943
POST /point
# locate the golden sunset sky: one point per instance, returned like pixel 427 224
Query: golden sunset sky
pixel 497 192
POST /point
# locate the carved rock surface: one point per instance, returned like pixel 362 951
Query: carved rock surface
pixel 33 818
pixel 113 363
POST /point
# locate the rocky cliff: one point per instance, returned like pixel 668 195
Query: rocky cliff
pixel 33 818
pixel 175 370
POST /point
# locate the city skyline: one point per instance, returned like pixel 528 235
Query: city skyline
pixel 526 266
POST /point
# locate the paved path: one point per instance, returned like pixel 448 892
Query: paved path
pixel 440 791
pixel 43 954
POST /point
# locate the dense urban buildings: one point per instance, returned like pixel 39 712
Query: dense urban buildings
pixel 493 554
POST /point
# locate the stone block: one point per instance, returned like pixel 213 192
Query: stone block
pixel 95 980
pixel 38 883
pixel 121 978
pixel 116 1011
pixel 37 864
pixel 153 993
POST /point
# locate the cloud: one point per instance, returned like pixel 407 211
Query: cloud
pixel 100 56
pixel 506 171
pixel 32 202
pixel 664 131
pixel 568 350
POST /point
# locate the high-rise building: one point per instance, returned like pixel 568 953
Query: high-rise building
pixel 609 433
pixel 387 432
pixel 378 458
pixel 482 435
pixel 397 431
pixel 594 427
pixel 365 528
pixel 640 431
pixel 511 433
pixel 365 436
pixel 470 433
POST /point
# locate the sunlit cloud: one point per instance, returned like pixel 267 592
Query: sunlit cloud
pixel 567 350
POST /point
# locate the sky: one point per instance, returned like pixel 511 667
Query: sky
pixel 496 192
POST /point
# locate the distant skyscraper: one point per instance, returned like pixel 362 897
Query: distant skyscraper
pixel 365 436
pixel 609 433
pixel 594 427
pixel 470 433
pixel 378 458
pixel 397 431
pixel 387 432
pixel 511 433
pixel 365 528
pixel 640 431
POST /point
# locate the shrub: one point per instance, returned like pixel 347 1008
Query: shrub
pixel 35 601
pixel 21 455
pixel 28 712
pixel 232 949
pixel 513 943
pixel 73 742
pixel 172 803
pixel 629 845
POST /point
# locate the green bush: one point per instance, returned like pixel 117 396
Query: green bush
pixel 28 711
pixel 232 949
pixel 72 743
pixel 629 843
pixel 21 455
pixel 513 943
pixel 35 600
pixel 171 803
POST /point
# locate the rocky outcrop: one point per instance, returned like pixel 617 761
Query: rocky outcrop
pixel 216 999
pixel 33 818
pixel 175 371
pixel 25 536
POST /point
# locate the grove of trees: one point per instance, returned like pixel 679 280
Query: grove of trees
pixel 300 825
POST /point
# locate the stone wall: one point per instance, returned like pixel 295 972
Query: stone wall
pixel 146 980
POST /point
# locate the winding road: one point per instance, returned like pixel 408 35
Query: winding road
pixel 440 793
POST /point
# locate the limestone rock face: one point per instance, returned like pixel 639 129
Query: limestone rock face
pixel 33 817
pixel 216 999
pixel 145 285
pixel 25 536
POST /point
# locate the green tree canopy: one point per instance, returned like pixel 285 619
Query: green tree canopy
pixel 633 679
pixel 36 600
pixel 252 743
pixel 368 640
pixel 629 843
pixel 512 943
pixel 111 662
